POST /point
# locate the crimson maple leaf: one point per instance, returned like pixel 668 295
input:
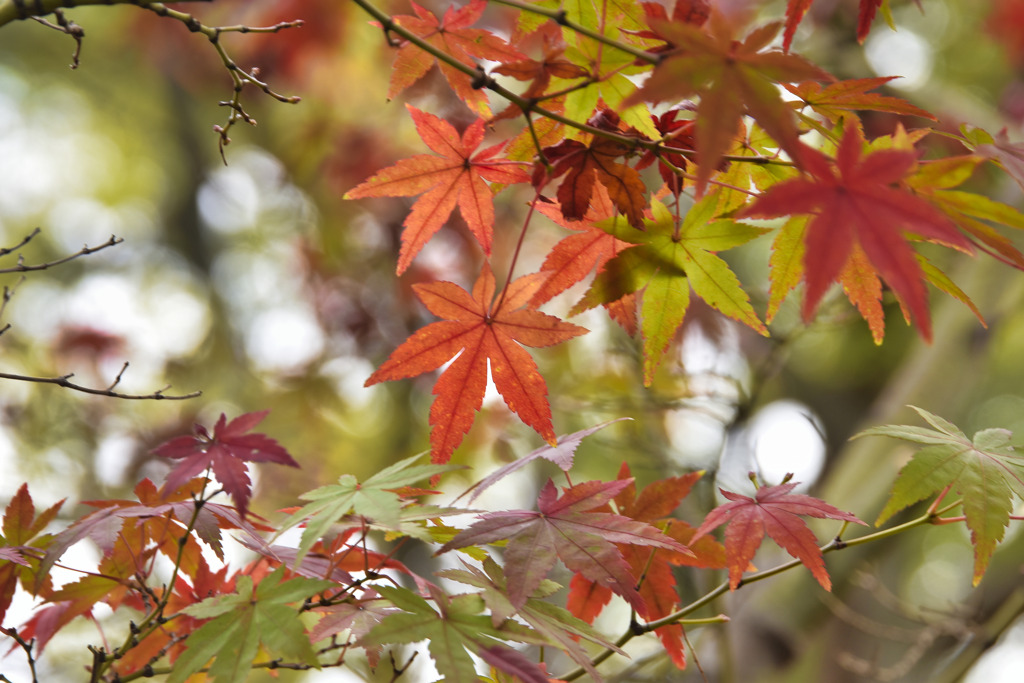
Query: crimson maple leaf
pixel 569 529
pixel 455 178
pixel 453 37
pixel 226 453
pixel 796 9
pixel 586 165
pixel 774 510
pixel 853 202
pixel 477 331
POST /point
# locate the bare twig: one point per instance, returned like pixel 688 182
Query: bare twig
pixel 4 251
pixel 239 77
pixel 21 267
pixel 65 381
pixel 65 25
pixel 27 646
pixel 13 10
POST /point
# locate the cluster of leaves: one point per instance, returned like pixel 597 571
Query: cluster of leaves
pixel 728 148
pixel 228 621
pixel 313 605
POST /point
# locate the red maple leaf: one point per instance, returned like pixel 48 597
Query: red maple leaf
pixel 567 528
pixel 653 505
pixel 774 510
pixel 854 203
pixel 452 36
pixel 677 134
pixel 455 178
pixel 225 453
pixel 477 331
pixel 796 9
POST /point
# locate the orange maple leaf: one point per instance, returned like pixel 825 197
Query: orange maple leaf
pixel 455 178
pixel 573 258
pixel 477 331
pixel 452 36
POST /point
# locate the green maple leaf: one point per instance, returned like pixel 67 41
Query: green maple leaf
pixel 668 260
pixel 457 625
pixel 986 471
pixel 378 500
pixel 244 620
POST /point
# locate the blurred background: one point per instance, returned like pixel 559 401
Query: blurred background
pixel 254 282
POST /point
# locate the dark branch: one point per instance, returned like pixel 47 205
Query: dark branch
pixel 84 251
pixel 65 381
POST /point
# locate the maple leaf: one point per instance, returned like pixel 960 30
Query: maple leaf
pixel 584 166
pixel 455 626
pixel 669 258
pixel 377 500
pixel 554 623
pixel 560 454
pixel 731 78
pixel 453 36
pixel 834 100
pixel 853 203
pixel 796 9
pixel 21 545
pixel 775 511
pixel 694 12
pixel 867 15
pixel 566 528
pixel 225 453
pixel 125 530
pixel 1009 155
pixel 986 471
pixel 676 134
pixel 453 178
pixel 539 72
pixel 240 623
pixel 575 256
pixel 478 332
pixel 653 505
pixel 358 617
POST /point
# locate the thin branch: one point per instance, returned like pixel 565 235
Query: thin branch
pixel 560 17
pixel 65 25
pixel 239 77
pixel 25 240
pixel 84 251
pixel 13 10
pixel 676 617
pixel 65 381
pixel 27 646
pixel 527 105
